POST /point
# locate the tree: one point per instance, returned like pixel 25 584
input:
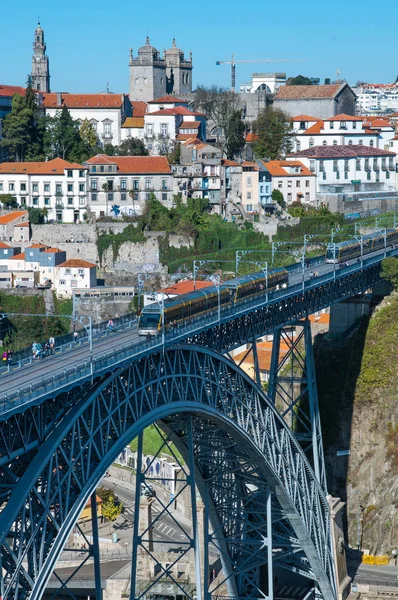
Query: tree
pixel 63 137
pixel 8 201
pixel 109 149
pixel 277 197
pixel 174 155
pixel 17 129
pixel 302 80
pixel 389 271
pixel 235 135
pixel 220 106
pixel 88 134
pixel 273 128
pixel 132 147
pixel 111 510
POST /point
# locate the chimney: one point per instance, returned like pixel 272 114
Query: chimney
pixel 59 98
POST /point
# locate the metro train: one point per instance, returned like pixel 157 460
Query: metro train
pixel 183 309
pixel 345 251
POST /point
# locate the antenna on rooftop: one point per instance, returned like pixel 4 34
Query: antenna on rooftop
pixel 107 87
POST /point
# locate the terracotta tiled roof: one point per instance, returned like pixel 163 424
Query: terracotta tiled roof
pixel 139 108
pixel 20 256
pixel 77 263
pixel 253 165
pixel 56 166
pixel 185 287
pixel 251 137
pixel 53 250
pixel 84 100
pixel 37 246
pixel 10 90
pixel 193 141
pixel 168 100
pixel 315 129
pixel 344 117
pixel 3 245
pixel 342 151
pixel 26 224
pixel 12 216
pixel 137 122
pixel 190 125
pixel 295 92
pixel 380 123
pixel 186 137
pixel 230 163
pixel 177 110
pixel 278 168
pixel 299 118
pixel 134 164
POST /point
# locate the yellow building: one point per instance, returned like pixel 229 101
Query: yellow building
pixel 85 515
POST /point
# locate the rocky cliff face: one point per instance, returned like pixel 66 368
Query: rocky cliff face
pixel 358 393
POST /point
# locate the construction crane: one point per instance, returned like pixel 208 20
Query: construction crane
pixel 234 62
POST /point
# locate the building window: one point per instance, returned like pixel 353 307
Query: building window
pixel 110 197
pixel 46 187
pixel 149 130
pixel 123 185
pixel 67 271
pixel 280 185
pixel 368 175
pixel 324 143
pixel 35 201
pixel 248 196
pixel 361 142
pixel 334 142
pixel 58 188
pixel 148 184
pixel 346 165
pixel 164 129
pixel 312 166
pixel 298 146
pixel 249 207
pixel 249 181
pixel 93 169
pixel 94 184
pixel 23 200
pixel 70 188
pixel 70 201
pixel 35 187
pixel 289 183
pixel 307 196
pixel 338 175
pixel 358 165
pixel 62 282
pixel 324 175
pixel 23 187
pixel 307 183
pixel 289 196
pixel 164 197
pixel 94 197
pixel 321 166
pixel 136 184
pixel 81 173
pixel 354 124
pixel 82 201
pixel 297 182
pixel 81 187
pixel 331 125
pixel 371 144
pixel 135 196
pixel 46 201
pixel 147 196
pixel 110 185
pixel 107 129
pixel 367 167
pixel 350 143
pixel 345 174
pixel 1 186
pixel 343 125
pixel 311 142
pixel 164 184
pixel 387 174
pixel 335 166
pixel 123 196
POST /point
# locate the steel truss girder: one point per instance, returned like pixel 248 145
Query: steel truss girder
pixel 293 391
pixel 49 496
pixel 279 312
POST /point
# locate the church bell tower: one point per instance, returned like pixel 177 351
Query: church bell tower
pixel 40 76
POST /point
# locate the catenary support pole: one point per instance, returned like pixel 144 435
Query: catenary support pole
pixel 195 536
pixel 136 533
pixel 95 548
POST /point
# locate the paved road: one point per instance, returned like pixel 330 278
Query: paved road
pixel 43 370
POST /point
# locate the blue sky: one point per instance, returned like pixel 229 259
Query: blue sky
pixel 88 43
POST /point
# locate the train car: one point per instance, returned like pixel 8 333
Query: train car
pixel 249 285
pixel 181 309
pixel 351 249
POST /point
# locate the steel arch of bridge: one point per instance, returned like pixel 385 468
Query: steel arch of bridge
pixel 52 486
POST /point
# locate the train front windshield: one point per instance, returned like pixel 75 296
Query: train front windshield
pixel 332 254
pixel 149 321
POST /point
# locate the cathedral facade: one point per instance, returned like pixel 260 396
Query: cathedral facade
pixel 153 76
pixel 40 76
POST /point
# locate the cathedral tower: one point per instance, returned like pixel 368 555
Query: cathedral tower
pixel 40 77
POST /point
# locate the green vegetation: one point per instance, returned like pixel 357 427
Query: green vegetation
pixel 302 80
pixel 273 128
pixel 389 271
pixel 152 442
pixel 28 329
pixel 115 240
pixel 111 510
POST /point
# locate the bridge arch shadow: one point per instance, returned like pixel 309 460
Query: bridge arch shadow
pixel 221 401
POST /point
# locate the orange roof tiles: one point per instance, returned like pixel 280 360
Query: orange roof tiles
pixel 168 100
pixel 53 250
pixel 380 123
pixel 190 125
pixel 315 128
pixel 299 118
pixel 295 92
pixel 137 122
pixel 186 137
pixel 344 117
pixel 278 168
pixel 139 108
pixel 37 246
pixel 134 164
pixel 3 245
pixel 83 100
pixel 12 216
pixel 230 163
pixel 185 287
pixel 251 137
pixel 77 263
pixel 26 224
pixel 20 256
pixel 10 90
pixel 56 166
pixel 177 110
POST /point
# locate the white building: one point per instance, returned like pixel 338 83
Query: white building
pixel 377 98
pixel 57 185
pixel 340 130
pixel 349 168
pixel 75 273
pixel 134 126
pixel 294 179
pixel 269 82
pixel 122 184
pixel 105 112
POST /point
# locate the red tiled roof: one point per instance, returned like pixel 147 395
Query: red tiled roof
pixel 3 245
pixel 37 246
pixel 185 287
pixel 139 108
pixel 26 224
pixel 168 100
pixel 190 125
pixel 380 123
pixel 299 118
pixel 77 263
pixel 295 92
pixel 230 163
pixel 344 117
pixel 251 137
pixel 83 100
pixel 315 128
pixel 56 166
pixel 53 250
pixel 186 137
pixel 137 122
pixel 177 110
pixel 277 168
pixel 342 151
pixel 12 216
pixel 10 90
pixel 20 256
pixel 133 164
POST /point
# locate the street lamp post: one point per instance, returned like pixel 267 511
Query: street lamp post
pixel 333 233
pixel 217 282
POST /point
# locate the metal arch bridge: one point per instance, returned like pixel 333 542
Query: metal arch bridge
pixel 59 434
